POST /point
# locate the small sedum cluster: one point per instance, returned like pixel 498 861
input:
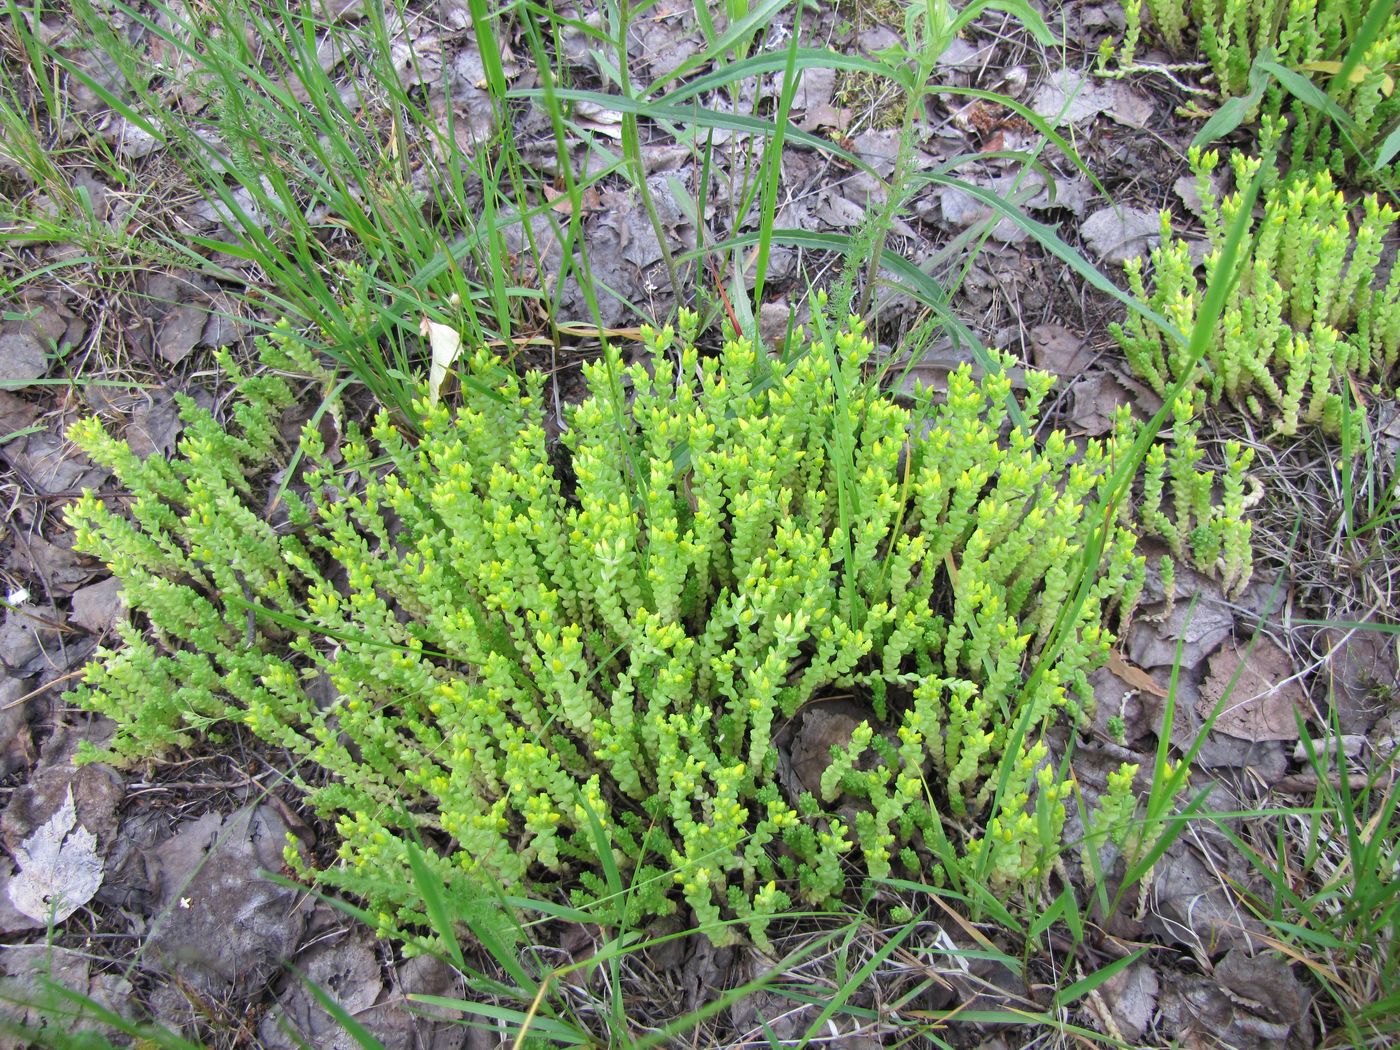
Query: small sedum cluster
pixel 560 666
pixel 1180 502
pixel 1308 312
pixel 1310 37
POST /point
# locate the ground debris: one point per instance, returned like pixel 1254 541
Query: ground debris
pixel 1255 691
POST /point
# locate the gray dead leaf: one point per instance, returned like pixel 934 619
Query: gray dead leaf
pixel 342 10
pixel 154 425
pixel 1191 905
pixel 1067 97
pixel 105 73
pixel 1266 759
pixel 1201 628
pixel 964 56
pixel 97 606
pixel 1073 195
pixel 1266 984
pixel 51 465
pixel 1125 105
pixel 16 414
pixel 1095 397
pixel 1131 998
pixel 130 140
pixel 814 90
pixel 1350 745
pixel 839 212
pixel 16 742
pixel 666 44
pixel 879 149
pixel 180 332
pixel 61 570
pixel 1361 674
pixel 1189 191
pixel 346 970
pixel 96 788
pixel 21 994
pixel 1099 16
pixel 223 328
pixel 878 38
pixel 1054 348
pixel 1261 697
pixel 1196 1011
pixel 244 209
pixel 225 927
pixel 1116 235
pixel 25 634
pixel 773 321
pixel 59 869
pixel 1115 698
pixel 961 209
pixel 22 357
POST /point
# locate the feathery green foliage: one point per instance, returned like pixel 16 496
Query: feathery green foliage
pixel 1309 311
pixel 533 661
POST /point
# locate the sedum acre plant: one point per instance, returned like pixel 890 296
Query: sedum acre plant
pixel 562 669
pixel 1308 312
pixel 1310 37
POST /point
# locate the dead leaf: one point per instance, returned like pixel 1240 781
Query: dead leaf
pixel 1116 235
pixel 16 416
pixel 824 725
pixel 1067 97
pixel 562 204
pixel 180 332
pixel 97 606
pixel 1125 105
pixel 1133 676
pixel 1094 398
pixel 22 357
pixel 1260 703
pixel 1361 674
pixel 447 347
pixel 59 869
pixel 1056 349
pixel 1131 999
pixel 1199 628
pixel 154 425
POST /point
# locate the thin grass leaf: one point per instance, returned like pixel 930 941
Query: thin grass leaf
pixel 736 33
pixel 696 116
pixel 1307 92
pixel 1023 11
pixel 430 890
pixel 544 1027
pixel 1082 987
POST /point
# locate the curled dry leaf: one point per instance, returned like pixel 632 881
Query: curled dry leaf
pixel 1134 676
pixel 446 345
pixel 59 869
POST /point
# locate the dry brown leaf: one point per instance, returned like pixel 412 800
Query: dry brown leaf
pixel 1057 349
pixel 1262 703
pixel 1134 676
